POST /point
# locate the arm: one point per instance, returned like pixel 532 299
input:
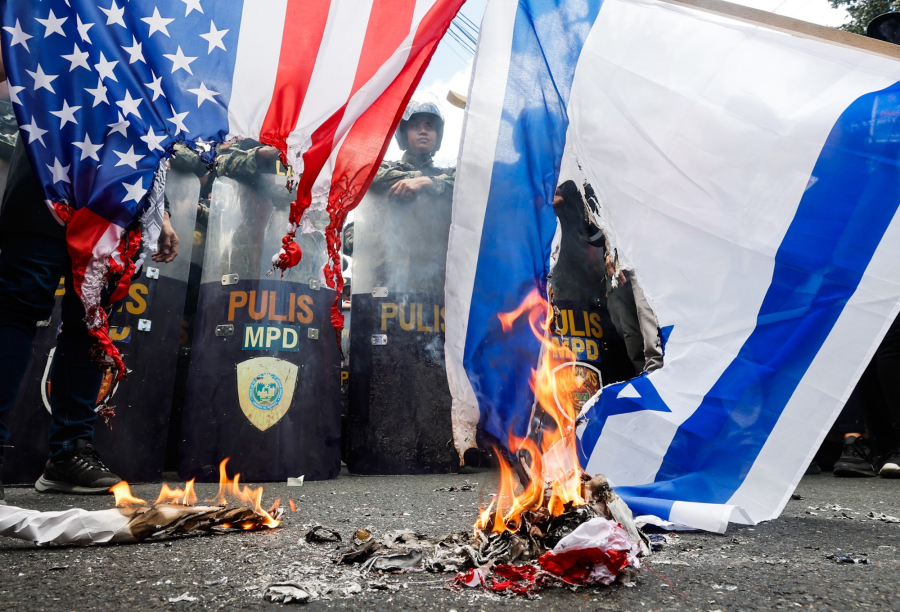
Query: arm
pixel 237 164
pixel 444 183
pixel 244 165
pixel 388 175
pixel 167 247
pixel 186 159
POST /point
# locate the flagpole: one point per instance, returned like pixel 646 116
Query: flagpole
pixel 794 27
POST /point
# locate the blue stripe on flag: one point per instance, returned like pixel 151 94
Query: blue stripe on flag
pixel 839 224
pixel 547 41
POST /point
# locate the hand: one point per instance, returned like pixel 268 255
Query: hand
pixel 267 154
pixel 407 189
pixel 167 247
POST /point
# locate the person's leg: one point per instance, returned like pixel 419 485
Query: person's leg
pixel 30 268
pixel 622 311
pixel 652 347
pixel 75 378
pixel 856 457
pixel 887 358
pixel 74 465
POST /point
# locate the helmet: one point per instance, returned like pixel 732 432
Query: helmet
pixel 885 27
pixel 421 103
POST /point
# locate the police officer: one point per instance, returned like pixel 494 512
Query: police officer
pixel 419 135
pixel 399 402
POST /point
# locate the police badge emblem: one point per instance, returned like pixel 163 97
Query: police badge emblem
pixel 265 389
pixel 574 383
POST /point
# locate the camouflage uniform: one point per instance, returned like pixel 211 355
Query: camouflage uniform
pixel 413 166
pixel 185 159
pixel 239 162
pixel 9 130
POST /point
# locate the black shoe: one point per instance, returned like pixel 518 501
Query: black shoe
pixel 80 472
pixel 812 469
pixel 889 469
pixel 856 459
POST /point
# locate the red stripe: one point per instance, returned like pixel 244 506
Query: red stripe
pixel 368 139
pixel 363 149
pixel 82 234
pixel 304 27
pixel 388 26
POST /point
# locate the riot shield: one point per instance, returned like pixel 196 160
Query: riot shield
pixel 399 400
pixel 264 381
pixel 583 327
pixel 147 328
pixel 4 172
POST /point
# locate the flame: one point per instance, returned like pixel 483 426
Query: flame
pixel 190 498
pixel 185 497
pixel 229 490
pixel 547 459
pixel 292 505
pixel 124 498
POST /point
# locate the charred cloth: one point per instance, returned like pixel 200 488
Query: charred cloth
pixel 587 544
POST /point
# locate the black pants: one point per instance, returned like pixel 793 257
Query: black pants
pixel 30 268
pixel 877 396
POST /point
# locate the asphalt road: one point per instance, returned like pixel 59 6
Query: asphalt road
pixel 780 564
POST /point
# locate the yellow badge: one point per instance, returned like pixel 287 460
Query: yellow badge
pixel 265 389
pixel 574 383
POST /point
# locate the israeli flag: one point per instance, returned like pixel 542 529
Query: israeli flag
pixel 747 169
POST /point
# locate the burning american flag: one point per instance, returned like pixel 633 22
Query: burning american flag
pixel 102 92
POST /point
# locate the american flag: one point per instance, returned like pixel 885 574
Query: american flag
pixel 103 89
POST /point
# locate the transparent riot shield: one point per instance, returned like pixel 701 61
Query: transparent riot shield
pixel 399 400
pixel 147 329
pixel 4 172
pixel 264 381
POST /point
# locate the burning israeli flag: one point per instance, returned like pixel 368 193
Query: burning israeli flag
pixel 746 166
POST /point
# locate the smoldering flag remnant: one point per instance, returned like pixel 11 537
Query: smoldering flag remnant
pixel 745 173
pixel 135 520
pixel 597 552
pixel 322 81
pixel 120 525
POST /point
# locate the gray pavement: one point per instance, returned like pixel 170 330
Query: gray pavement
pixel 780 564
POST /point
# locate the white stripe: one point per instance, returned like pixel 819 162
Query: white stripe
pixel 333 75
pixel 368 94
pixel 710 130
pixel 828 383
pixel 256 66
pixel 108 242
pixel 473 182
pixel 709 517
pixel 95 273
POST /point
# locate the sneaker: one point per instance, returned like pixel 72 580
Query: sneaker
pixel 890 468
pixel 855 459
pixel 812 469
pixel 81 472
